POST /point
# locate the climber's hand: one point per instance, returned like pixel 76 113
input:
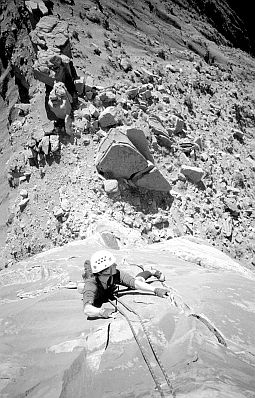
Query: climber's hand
pixel 107 313
pixel 160 292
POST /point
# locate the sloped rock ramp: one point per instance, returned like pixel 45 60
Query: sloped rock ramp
pixel 49 349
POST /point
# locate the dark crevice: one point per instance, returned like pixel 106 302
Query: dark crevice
pixel 23 91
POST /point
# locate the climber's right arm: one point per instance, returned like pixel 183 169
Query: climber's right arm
pixel 94 312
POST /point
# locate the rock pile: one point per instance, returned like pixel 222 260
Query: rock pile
pixel 171 139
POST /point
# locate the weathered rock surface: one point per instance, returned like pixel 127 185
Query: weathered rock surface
pixel 52 34
pixel 203 337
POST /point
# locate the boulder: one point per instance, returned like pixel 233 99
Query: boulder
pixel 208 51
pixel 42 7
pixel 107 118
pixel 139 140
pixel 117 157
pixel 31 6
pixel 34 6
pixel 153 180
pixel 51 66
pixel 108 98
pixel 52 33
pixel 132 92
pixel 231 206
pixel 193 174
pixel 177 125
pixel 157 127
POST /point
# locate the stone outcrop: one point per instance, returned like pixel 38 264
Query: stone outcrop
pixel 52 34
pixel 54 57
pixel 36 6
pixel 119 157
pixel 51 66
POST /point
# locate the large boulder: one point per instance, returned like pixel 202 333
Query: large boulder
pixel 52 34
pixel 118 158
pixel 153 180
pixel 51 66
pixel 139 140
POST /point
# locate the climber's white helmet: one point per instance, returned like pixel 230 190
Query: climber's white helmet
pixel 101 260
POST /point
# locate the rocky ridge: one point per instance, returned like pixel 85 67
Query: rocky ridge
pixel 189 99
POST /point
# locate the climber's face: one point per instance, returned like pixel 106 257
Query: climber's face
pixel 107 273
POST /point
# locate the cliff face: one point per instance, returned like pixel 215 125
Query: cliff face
pixel 203 337
pixel 127 125
pixel 177 74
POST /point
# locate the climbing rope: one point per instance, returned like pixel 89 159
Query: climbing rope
pixel 151 345
pixel 158 386
pixel 157 383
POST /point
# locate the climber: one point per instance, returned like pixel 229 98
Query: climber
pixel 101 277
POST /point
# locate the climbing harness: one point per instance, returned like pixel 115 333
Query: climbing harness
pixel 157 383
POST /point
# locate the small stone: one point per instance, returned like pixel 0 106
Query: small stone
pixel 132 92
pixel 23 193
pixel 54 143
pixel 194 174
pixel 111 186
pixel 22 179
pixel 89 83
pixel 128 221
pixel 58 211
pixel 126 64
pixel 86 141
pixel 93 110
pixel 44 144
pixel 107 118
pixel 65 205
pixel 22 204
